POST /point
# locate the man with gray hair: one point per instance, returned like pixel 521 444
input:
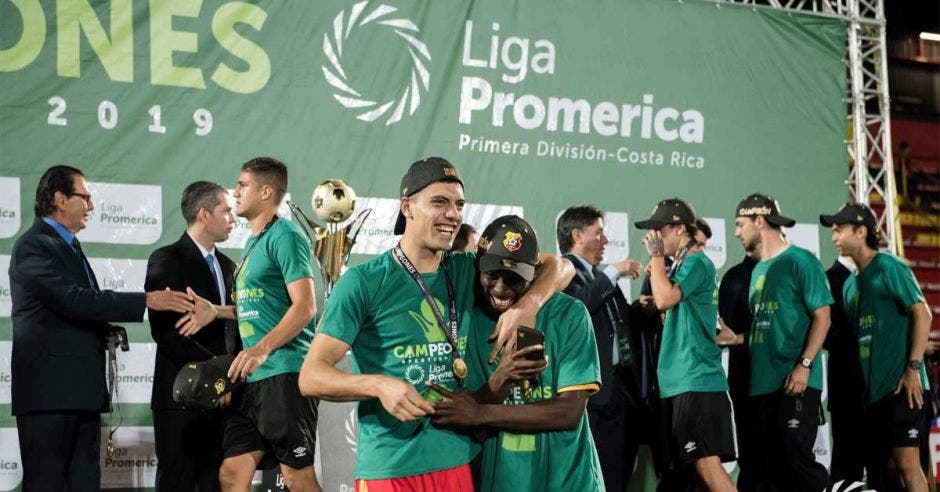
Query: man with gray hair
pixel 188 439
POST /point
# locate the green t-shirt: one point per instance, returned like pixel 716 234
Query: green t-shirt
pixel 690 359
pixel 557 460
pixel 378 309
pixel 878 301
pixel 281 257
pixel 785 290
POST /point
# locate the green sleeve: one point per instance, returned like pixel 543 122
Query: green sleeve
pixel 578 364
pixel 292 255
pixel 813 283
pixel 346 308
pixel 462 267
pixel 900 281
pixel 690 276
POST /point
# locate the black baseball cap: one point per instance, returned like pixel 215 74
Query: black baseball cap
pixel 766 206
pixel 668 211
pixel 509 243
pixel 852 213
pixel 703 226
pixel 420 175
pixel 204 383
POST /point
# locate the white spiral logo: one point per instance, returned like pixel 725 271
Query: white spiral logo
pixel 349 97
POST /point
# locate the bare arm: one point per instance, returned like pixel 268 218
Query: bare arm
pixel 320 377
pixel 665 293
pixel 910 378
pixel 796 381
pixel 920 329
pixel 303 308
pixel 552 276
pixel 560 413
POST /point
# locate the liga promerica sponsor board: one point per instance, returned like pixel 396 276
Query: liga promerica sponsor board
pixel 541 106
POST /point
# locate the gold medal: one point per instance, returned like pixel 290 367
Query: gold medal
pixel 460 368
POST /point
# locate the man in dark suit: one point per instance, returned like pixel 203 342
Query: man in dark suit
pixel 581 238
pixel 60 327
pixel 189 439
pixel 734 316
pixel 846 386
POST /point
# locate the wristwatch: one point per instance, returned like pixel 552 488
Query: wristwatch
pixel 807 363
pixel 915 364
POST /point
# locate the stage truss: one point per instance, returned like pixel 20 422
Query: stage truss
pixel 871 166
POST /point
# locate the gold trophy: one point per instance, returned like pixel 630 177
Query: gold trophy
pixel 334 202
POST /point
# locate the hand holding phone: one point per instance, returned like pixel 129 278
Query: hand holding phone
pixel 527 337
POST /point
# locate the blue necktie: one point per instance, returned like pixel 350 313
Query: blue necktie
pixel 211 261
pixel 77 247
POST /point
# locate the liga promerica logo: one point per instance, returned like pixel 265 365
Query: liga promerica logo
pixel 370 108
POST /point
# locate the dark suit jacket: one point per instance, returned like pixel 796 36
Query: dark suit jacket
pixel 177 266
pixel 735 311
pixel 846 385
pixel 60 326
pixel 595 295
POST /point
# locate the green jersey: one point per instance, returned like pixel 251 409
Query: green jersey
pixel 281 256
pixel 379 310
pixel 785 290
pixel 690 359
pixel 557 460
pixel 878 301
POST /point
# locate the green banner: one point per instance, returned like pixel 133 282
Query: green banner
pixel 540 104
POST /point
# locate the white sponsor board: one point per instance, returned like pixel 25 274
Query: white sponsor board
pixel 6 352
pixel 135 373
pixel 124 214
pixel 716 248
pixel 805 236
pixel 11 466
pixel 119 274
pixel 242 230
pixel 377 232
pixel 10 209
pixel 6 302
pixel 617 229
pixel 134 461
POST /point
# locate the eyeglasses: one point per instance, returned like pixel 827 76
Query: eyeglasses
pixel 84 196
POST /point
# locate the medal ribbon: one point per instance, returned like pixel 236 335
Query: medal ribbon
pixel 449 329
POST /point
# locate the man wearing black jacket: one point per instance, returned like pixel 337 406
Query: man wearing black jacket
pixel 60 327
pixel 734 315
pixel 188 439
pixel 581 238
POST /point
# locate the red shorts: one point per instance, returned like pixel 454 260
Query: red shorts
pixel 452 479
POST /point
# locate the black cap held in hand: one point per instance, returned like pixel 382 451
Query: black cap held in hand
pixel 852 213
pixel 669 211
pixel 765 206
pixel 509 243
pixel 204 383
pixel 419 176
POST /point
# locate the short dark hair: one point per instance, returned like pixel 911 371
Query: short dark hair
pixel 576 217
pixel 871 237
pixel 56 178
pixel 463 237
pixel 269 171
pixel 201 194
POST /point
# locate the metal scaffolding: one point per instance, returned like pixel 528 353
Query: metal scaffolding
pixel 871 166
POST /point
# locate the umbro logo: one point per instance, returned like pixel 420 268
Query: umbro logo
pixel 690 446
pixel 912 433
pixel 793 423
pixel 300 452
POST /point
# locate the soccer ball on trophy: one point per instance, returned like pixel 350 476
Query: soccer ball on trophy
pixel 333 201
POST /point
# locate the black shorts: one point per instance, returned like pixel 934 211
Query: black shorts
pixel 272 416
pixel 893 425
pixel 701 426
